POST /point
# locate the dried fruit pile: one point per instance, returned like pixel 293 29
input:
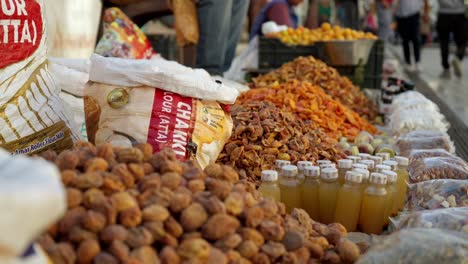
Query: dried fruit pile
pixel 320 74
pixel 128 206
pixel 264 133
pixel 309 102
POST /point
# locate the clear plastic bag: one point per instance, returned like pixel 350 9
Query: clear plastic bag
pixel 408 120
pixel 425 134
pixel 455 219
pixel 417 154
pixel 405 144
pixel 413 100
pixel 436 194
pixel 438 168
pixel 419 246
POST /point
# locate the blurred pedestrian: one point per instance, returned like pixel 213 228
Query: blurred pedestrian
pixel 425 22
pixel 385 18
pixel 220 23
pixel 407 14
pixel 279 11
pixel 324 11
pixel 370 24
pixel 451 19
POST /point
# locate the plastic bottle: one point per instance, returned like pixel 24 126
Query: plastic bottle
pixel 355 159
pixel 289 186
pixel 328 166
pixel 370 165
pixel 328 191
pixel 402 181
pixel 385 156
pixel 392 190
pixel 279 165
pixel 393 164
pixel 344 165
pixel 365 177
pixel 381 167
pixel 360 166
pixel 373 205
pixel 310 191
pixel 269 186
pixel 301 165
pixel 377 160
pixel 364 156
pixel 348 202
pixel 320 162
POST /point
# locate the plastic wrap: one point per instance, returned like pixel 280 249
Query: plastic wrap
pixel 435 194
pixel 419 246
pixel 455 219
pixel 417 154
pixel 405 144
pixel 438 168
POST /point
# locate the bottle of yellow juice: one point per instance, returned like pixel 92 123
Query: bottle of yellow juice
pixel 289 186
pixel 310 191
pixel 279 166
pixel 377 160
pixel 301 165
pixel 402 181
pixel 269 186
pixel 364 156
pixel 393 164
pixel 320 162
pixel 348 203
pixel 344 165
pixel 381 167
pixel 370 165
pixel 355 159
pixel 328 192
pixel 374 204
pixel 391 208
pixel 385 156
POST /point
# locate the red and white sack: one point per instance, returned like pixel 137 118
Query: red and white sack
pixel 31 114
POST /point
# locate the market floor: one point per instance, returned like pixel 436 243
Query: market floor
pixel 453 92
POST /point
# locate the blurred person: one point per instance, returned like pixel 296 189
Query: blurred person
pixel 279 11
pixel 385 18
pixel 350 14
pixel 425 22
pixel 451 19
pixel 370 23
pixel 324 11
pixel 407 14
pixel 220 23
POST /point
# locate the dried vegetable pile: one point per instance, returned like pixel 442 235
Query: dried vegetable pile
pixel 309 102
pixel 320 74
pixel 264 133
pixel 129 206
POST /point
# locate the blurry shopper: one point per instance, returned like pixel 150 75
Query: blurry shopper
pixel 385 17
pixel 279 11
pixel 324 11
pixel 425 24
pixel 451 19
pixel 407 14
pixel 370 24
pixel 220 23
pixel 351 13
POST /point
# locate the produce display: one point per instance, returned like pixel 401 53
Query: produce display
pixel 438 168
pixel 451 219
pixel 310 103
pixel 435 194
pixel 318 73
pixel 126 205
pixel 264 133
pixel 305 36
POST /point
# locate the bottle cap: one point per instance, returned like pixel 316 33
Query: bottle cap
pixel 378 178
pixel 355 159
pixel 360 166
pixel 345 164
pixel 393 164
pixel 269 175
pixel 391 176
pixel 329 174
pixel 302 164
pixel 353 176
pixel 280 163
pixel 381 167
pixel 328 165
pixel 364 155
pixel 402 161
pixel 320 162
pixel 365 173
pixel 370 164
pixel 377 160
pixel 385 156
pixel 312 171
pixel 289 171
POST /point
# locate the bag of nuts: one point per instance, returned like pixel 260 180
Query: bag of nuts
pixel 424 139
pixel 435 194
pixel 417 154
pixel 454 219
pixel 438 168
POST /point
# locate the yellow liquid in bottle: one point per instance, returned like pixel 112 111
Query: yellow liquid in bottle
pixel 328 193
pixel 348 205
pixel 310 197
pixel 402 186
pixel 391 195
pixel 270 189
pixel 341 175
pixel 373 209
pixel 290 193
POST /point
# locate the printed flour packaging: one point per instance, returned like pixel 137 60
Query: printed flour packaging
pixel 160 102
pixel 31 115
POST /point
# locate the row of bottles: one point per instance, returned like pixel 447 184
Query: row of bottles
pixel 362 193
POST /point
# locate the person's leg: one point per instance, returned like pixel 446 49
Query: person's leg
pixel 443 31
pixel 238 12
pixel 460 37
pixel 384 16
pixel 403 31
pixel 214 19
pixel 415 37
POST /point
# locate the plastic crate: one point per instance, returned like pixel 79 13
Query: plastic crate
pixel 272 53
pixel 165 44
